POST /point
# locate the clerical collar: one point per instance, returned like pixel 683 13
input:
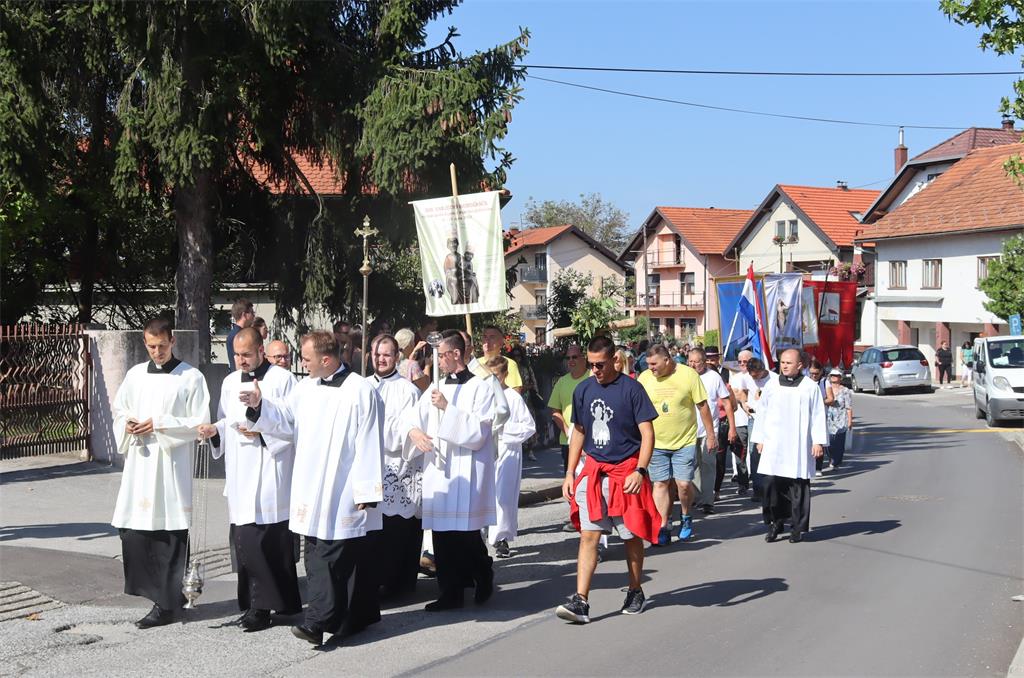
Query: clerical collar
pixel 166 368
pixel 790 381
pixel 337 378
pixel 258 373
pixel 389 375
pixel 459 377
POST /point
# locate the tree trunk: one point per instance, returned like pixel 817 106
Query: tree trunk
pixel 194 213
pixel 88 266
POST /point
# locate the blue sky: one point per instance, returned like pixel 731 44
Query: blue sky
pixel 640 154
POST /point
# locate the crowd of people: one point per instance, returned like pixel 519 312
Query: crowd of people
pixel 402 472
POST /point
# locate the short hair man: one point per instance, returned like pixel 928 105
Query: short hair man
pixel 157 410
pixel 750 385
pixel 279 354
pixel 711 461
pixel 560 402
pixel 736 380
pixel 678 395
pixel 242 315
pixel 612 418
pixel 790 432
pixel 258 478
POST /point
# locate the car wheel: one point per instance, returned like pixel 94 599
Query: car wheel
pixel 989 419
pixel 925 389
pixel 879 391
pixel 978 412
pixel 853 384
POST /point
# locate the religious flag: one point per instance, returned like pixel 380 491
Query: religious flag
pixel 750 318
pixel 461 254
pixel 784 302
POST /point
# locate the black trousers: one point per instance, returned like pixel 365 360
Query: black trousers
pixel 787 499
pixel 723 449
pixel 154 565
pixel 945 371
pixel 461 557
pixel 739 448
pixel 399 562
pixel 266 567
pixel 330 565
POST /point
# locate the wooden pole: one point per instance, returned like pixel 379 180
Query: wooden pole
pixel 455 194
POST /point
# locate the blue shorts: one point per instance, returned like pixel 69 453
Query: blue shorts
pixel 679 464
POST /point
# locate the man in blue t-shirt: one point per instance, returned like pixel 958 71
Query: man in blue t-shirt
pixel 611 416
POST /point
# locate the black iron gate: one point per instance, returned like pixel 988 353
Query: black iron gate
pixel 44 390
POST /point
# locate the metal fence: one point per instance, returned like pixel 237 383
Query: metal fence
pixel 44 390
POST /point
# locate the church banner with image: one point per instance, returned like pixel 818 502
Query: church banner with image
pixel 461 254
pixel 784 301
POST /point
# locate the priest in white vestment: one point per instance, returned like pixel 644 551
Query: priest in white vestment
pixel 336 419
pixel 258 478
pixel 508 476
pixel 451 428
pixel 790 432
pixel 399 554
pixel 157 411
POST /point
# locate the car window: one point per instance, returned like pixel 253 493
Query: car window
pixel 898 354
pixel 1007 353
pixel 868 356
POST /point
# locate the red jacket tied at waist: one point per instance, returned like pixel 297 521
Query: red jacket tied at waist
pixel 638 512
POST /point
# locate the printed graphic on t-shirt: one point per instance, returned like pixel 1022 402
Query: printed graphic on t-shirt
pixel 602 415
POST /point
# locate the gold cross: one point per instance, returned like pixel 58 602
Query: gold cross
pixel 366 233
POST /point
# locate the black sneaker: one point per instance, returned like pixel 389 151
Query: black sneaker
pixel 635 603
pixel 501 549
pixel 577 610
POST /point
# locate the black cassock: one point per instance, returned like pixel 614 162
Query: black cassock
pixel 154 565
pixel 265 558
pixel 787 499
pixel 330 564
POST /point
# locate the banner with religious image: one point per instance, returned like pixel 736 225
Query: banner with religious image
pixel 784 311
pixel 461 254
pixel 810 317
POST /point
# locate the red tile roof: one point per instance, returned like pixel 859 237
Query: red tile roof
pixel 970 139
pixel 974 194
pixel 708 229
pixel 831 209
pixel 535 236
pixel 323 178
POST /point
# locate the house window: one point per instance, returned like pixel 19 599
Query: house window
pixel 931 270
pixel 687 327
pixel 678 250
pixel 540 260
pixel 670 327
pixel 780 229
pixel 983 263
pixel 541 334
pixel 792 229
pixel 541 297
pixel 933 177
pixel 897 275
pixel 686 282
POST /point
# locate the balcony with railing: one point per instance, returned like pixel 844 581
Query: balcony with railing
pixel 532 274
pixel 663 259
pixel 534 312
pixel 659 299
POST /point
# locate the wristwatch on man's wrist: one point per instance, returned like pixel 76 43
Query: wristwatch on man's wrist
pixel 641 470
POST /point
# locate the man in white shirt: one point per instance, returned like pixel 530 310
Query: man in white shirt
pixel 157 410
pixel 718 393
pixel 258 477
pixel 337 420
pixel 748 390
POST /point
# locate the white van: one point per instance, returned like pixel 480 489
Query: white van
pixel 999 378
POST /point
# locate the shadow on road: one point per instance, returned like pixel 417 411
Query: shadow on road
pixel 85 468
pixel 726 593
pixel 838 530
pixel 81 531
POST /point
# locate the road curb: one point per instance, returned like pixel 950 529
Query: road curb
pixel 540 495
pixel 1017 665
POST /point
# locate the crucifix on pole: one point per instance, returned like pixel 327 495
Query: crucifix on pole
pixel 365 232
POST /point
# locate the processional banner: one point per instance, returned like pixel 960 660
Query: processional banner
pixel 784 302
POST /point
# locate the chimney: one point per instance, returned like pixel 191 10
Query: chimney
pixel 900 154
pixel 1007 123
pixel 841 185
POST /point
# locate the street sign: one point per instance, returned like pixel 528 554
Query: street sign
pixel 1015 329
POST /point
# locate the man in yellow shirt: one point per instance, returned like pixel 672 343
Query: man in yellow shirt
pixel 493 341
pixel 560 401
pixel 679 397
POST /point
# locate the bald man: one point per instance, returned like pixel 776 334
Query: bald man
pixel 279 354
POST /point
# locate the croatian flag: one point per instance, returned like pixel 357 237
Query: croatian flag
pixel 750 311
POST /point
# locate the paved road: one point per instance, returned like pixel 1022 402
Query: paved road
pixel 909 569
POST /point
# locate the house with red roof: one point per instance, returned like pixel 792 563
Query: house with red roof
pixel 538 255
pixel 934 248
pixel 677 253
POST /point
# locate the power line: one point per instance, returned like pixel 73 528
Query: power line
pixel 744 111
pixel 788 74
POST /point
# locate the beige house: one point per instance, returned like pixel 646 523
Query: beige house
pixel 539 254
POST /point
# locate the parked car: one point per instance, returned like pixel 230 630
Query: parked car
pixel 886 368
pixel 998 378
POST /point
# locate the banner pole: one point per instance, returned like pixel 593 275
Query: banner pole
pixel 455 194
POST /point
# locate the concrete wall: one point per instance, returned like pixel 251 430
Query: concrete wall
pixel 759 248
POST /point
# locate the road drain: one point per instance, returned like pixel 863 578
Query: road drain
pixel 18 600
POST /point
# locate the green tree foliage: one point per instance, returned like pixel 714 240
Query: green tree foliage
pixel 1002 25
pixel 1003 284
pixel 593 215
pixel 567 291
pixel 593 315
pixel 637 332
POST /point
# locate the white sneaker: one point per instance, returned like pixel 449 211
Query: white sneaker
pixel 817 474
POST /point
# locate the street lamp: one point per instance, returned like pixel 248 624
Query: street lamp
pixel 781 241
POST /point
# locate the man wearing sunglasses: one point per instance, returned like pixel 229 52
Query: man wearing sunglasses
pixel 612 417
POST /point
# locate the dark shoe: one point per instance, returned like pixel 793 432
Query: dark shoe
pixel 256 620
pixel 707 509
pixel 310 634
pixel 443 603
pixel 484 589
pixel 742 491
pixel 773 533
pixel 664 537
pixel 156 617
pixel 427 566
pixel 501 549
pixel 577 610
pixel 635 602
pixel 795 537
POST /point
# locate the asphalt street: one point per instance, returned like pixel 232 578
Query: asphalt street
pixel 914 555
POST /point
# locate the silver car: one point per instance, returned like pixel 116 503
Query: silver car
pixel 885 368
